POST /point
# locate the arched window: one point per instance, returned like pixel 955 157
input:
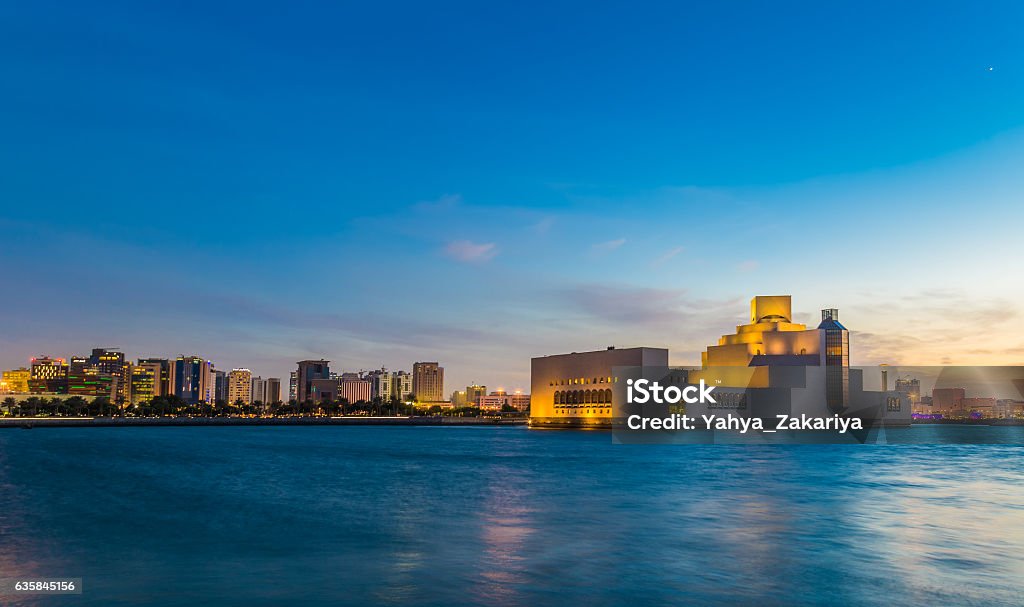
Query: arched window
pixel 608 396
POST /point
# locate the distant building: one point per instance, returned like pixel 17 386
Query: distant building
pixel 428 382
pixel 161 368
pixel 48 376
pixel 322 390
pixel 113 363
pixel 272 390
pixel 143 383
pixel 380 383
pixel 293 385
pixel 499 399
pixel 258 390
pixel 983 407
pixel 401 385
pixel 87 381
pixel 353 388
pixel 473 393
pixel 309 371
pixel 458 399
pixel 948 401
pixel 221 383
pixel 193 379
pixel 15 380
pixel 240 386
pixel 911 389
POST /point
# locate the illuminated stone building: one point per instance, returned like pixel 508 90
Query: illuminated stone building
pixel 577 389
pixel 768 367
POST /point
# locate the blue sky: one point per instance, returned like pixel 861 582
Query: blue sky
pixel 379 183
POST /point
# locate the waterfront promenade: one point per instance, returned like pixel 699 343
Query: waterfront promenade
pixel 348 420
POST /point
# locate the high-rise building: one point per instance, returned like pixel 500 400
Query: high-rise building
pixel 458 399
pixel 15 381
pixel 143 383
pixel 220 390
pixel 293 385
pixel 161 368
pixel 193 379
pixel 380 380
pixel 258 390
pixel 308 371
pixel 272 391
pixel 401 385
pixel 837 361
pixel 473 393
pixel 428 382
pixel 113 363
pixel 240 386
pixel 48 376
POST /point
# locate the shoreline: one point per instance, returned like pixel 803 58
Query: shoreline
pixel 351 420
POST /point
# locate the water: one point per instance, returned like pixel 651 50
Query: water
pixel 505 516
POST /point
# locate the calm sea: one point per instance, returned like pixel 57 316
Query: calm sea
pixel 506 516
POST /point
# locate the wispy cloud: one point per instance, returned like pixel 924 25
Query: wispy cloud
pixel 468 251
pixel 607 246
pixel 543 225
pixel 665 257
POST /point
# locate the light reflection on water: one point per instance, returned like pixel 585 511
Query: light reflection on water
pixel 505 516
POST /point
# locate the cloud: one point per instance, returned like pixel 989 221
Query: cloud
pixel 470 252
pixel 543 225
pixel 608 246
pixel 668 255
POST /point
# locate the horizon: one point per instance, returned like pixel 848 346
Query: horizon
pixel 377 187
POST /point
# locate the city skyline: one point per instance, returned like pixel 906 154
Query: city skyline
pixel 378 188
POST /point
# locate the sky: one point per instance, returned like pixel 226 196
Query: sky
pixel 477 183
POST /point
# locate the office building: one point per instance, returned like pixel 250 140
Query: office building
pixel 355 389
pixel 161 369
pixel 473 394
pixel 380 383
pixel 87 381
pixel 48 376
pixel 220 386
pixel 309 371
pixel 401 385
pixel 15 381
pixel 144 380
pixel 948 401
pixel 258 390
pixel 112 362
pixel 193 379
pixel 272 391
